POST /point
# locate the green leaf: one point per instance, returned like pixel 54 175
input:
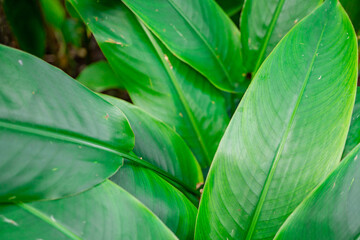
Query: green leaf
pixel 156 81
pixel 170 205
pixel 264 23
pixel 288 132
pixel 353 138
pixel 199 33
pixel 25 19
pixel 158 144
pixel 231 7
pixel 99 77
pixel 54 12
pixel 352 7
pixel 332 210
pixel 57 137
pixel 104 212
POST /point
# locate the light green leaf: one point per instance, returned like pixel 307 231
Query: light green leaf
pixel 99 77
pixel 288 132
pixel 158 144
pixel 104 212
pixel 264 23
pixel 332 211
pixel 231 7
pixel 56 136
pixel 156 81
pixel 25 19
pixel 353 138
pixel 199 33
pixel 170 205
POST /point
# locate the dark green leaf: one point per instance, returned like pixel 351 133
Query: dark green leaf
pixel 231 7
pixel 104 212
pixel 288 132
pixel 352 7
pixel 156 81
pixel 332 211
pixel 264 22
pixel 25 19
pixel 199 33
pixel 170 205
pixel 99 77
pixel 56 136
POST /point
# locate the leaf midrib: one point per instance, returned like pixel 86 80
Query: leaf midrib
pixel 198 33
pixel 222 66
pixel 36 212
pixel 80 140
pixel 178 91
pixel 281 146
pixel 268 34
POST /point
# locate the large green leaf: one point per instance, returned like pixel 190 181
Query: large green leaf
pixel 288 132
pixel 99 77
pixel 156 81
pixel 231 7
pixel 263 24
pixel 104 212
pixel 353 138
pixel 162 147
pixel 25 19
pixel 332 211
pixel 158 144
pixel 199 33
pixel 56 136
pixel 170 205
pixel 352 7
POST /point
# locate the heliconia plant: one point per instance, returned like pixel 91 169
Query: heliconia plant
pixel 245 132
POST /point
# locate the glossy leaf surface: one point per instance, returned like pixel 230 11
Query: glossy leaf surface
pixel 25 19
pixel 332 211
pixel 104 212
pixel 170 205
pixel 158 144
pixel 156 81
pixel 264 23
pixel 56 136
pixel 99 77
pixel 199 33
pixel 353 138
pixel 288 132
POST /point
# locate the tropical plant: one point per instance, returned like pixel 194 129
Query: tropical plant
pixel 264 118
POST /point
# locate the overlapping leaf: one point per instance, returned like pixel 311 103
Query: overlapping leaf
pixel 353 138
pixel 156 81
pixel 99 77
pixel 231 7
pixel 104 212
pixel 263 24
pixel 288 132
pixel 332 211
pixel 158 144
pixel 170 205
pixel 56 137
pixel 199 33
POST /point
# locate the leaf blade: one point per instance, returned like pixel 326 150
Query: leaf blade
pixel 199 33
pixel 46 132
pixel 238 201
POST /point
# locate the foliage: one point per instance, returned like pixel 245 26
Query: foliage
pixel 261 114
